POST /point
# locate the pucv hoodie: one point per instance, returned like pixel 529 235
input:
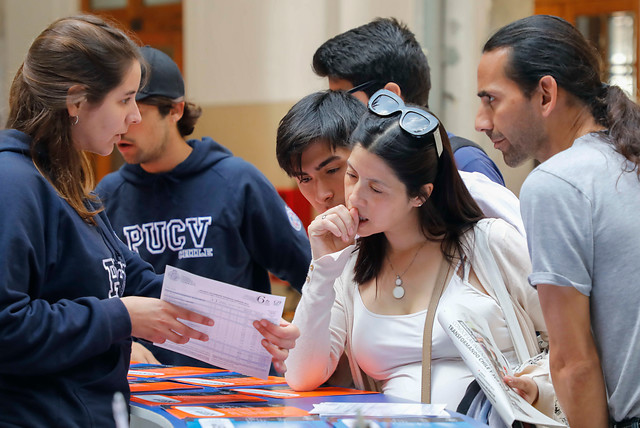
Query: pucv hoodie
pixel 64 333
pixel 214 215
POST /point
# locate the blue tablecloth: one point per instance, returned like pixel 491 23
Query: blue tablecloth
pixel 185 393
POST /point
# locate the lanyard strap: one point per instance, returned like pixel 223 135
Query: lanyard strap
pixel 440 285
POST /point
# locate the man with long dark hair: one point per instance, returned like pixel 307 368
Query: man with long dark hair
pixel 542 98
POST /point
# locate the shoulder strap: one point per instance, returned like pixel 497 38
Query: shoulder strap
pixel 459 142
pixel 501 292
pixel 441 283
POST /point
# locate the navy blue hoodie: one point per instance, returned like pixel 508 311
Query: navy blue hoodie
pixel 64 333
pixel 214 215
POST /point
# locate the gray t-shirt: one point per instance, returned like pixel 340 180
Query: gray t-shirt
pixel 581 210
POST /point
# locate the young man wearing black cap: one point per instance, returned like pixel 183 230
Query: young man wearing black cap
pixel 193 205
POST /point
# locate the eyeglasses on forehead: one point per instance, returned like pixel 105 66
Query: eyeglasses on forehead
pixel 413 120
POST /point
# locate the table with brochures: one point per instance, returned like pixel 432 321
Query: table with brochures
pixel 194 397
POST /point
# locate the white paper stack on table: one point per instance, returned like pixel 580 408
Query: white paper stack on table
pixel 382 410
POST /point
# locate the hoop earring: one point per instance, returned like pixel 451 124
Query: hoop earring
pixel 75 122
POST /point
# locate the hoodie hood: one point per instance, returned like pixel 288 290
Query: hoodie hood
pixel 205 154
pixel 12 140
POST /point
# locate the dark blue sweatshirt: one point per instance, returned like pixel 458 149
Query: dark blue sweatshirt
pixel 64 332
pixel 214 215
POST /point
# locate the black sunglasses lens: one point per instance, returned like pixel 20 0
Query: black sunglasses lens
pixel 384 105
pixel 417 124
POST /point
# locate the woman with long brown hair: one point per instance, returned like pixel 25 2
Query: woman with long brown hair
pixel 71 293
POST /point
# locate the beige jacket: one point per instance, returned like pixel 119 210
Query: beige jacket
pixel 325 313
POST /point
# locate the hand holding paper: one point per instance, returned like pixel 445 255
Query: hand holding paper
pixel 235 343
pixel 472 337
pixel 278 339
pixel 524 386
pixel 157 321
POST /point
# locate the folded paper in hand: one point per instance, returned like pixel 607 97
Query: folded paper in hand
pixel 472 337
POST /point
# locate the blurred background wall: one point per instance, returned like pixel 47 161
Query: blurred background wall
pixel 246 62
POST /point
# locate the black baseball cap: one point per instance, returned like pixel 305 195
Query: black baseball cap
pixel 165 79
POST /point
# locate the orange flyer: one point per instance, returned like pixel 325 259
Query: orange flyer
pixel 224 381
pixel 171 371
pixel 158 386
pixel 285 392
pixel 195 398
pixel 184 412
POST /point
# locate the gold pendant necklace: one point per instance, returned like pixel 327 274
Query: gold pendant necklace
pixel 398 290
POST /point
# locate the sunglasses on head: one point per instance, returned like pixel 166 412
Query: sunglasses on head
pixel 362 86
pixel 413 120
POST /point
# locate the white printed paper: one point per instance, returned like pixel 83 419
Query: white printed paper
pixel 472 337
pixel 381 410
pixel 215 423
pixel 268 393
pixel 203 381
pixel 234 343
pixel 198 411
pixel 143 373
pixel 157 398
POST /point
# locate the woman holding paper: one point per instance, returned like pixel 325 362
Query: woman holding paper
pixel 71 293
pixel 414 225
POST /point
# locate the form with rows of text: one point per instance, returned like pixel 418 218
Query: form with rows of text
pixel 234 343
